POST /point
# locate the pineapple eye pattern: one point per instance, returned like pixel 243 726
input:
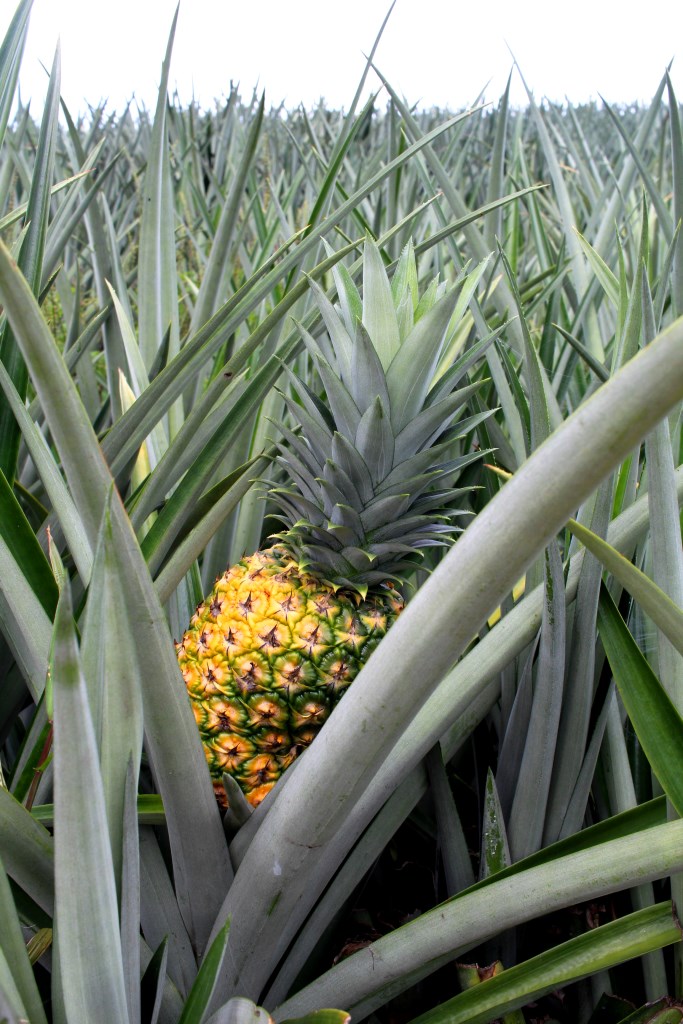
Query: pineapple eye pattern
pixel 286 656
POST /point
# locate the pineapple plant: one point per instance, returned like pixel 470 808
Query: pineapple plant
pixel 368 486
pixel 162 901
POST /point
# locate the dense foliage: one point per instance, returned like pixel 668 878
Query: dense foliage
pixel 502 783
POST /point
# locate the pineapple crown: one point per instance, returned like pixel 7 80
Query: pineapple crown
pixel 370 465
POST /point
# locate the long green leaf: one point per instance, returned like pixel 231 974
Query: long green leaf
pixel 71 213
pixel 198 1000
pixel 573 741
pixel 657 723
pixel 667 551
pixel 20 211
pixel 209 514
pixel 677 169
pixel 528 814
pixel 451 838
pixel 179 508
pixel 410 373
pixel 157 442
pixel 11 53
pixel 495 851
pixel 224 238
pixel 379 315
pixel 13 947
pixel 150 811
pixel 129 897
pixel 114 688
pixel 24 622
pixel 20 538
pixel 27 851
pixel 152 984
pixel 72 432
pixel 661 609
pixel 54 485
pixel 156 261
pixel 160 915
pixel 86 911
pixel 596 950
pixel 11 1005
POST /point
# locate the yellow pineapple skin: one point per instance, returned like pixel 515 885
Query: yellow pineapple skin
pixel 267 656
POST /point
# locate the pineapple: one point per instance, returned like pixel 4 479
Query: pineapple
pixel 285 631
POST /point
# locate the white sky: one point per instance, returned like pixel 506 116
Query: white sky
pixel 434 52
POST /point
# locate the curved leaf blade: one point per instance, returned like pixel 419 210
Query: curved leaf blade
pixel 661 609
pixel 199 998
pixel 657 723
pixel 597 950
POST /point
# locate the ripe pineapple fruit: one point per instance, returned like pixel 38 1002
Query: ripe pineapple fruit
pixel 284 632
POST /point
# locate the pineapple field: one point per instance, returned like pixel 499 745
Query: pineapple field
pixel 341 576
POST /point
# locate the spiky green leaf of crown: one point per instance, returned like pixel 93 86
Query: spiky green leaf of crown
pixel 371 469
